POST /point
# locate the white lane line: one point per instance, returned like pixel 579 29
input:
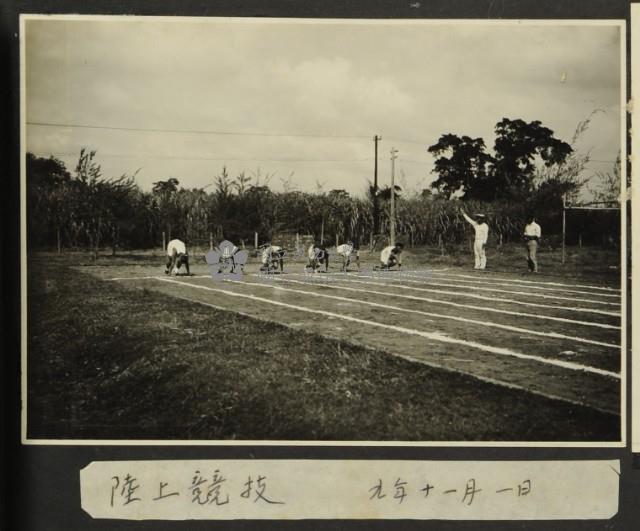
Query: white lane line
pixel 459 305
pixel 483 298
pixel 427 363
pixel 522 281
pixel 433 336
pixel 132 278
pixel 449 303
pixel 510 328
pixel 493 290
pixel 490 283
pixel 154 277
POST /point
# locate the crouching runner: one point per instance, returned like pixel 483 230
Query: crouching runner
pixel 346 251
pixel 317 255
pixel 390 256
pixel 176 257
pixel 272 257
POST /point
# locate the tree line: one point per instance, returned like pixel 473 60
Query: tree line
pixel 529 170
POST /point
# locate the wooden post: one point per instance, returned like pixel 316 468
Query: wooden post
pixel 322 231
pixel 376 204
pixel 337 240
pixel 564 227
pixel 371 241
pixel 255 240
pixel 164 242
pixel 211 241
pixel 580 241
pixel 392 204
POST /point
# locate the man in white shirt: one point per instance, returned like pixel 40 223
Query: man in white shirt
pixel 482 235
pixel 272 255
pixel 390 256
pixel 532 235
pixel 345 251
pixel 176 256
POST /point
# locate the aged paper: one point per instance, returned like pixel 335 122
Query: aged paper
pixel 587 370
pixel 635 148
pixel 322 489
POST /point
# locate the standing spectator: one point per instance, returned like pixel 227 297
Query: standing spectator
pixel 482 235
pixel 532 235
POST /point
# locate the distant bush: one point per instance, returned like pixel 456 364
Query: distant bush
pixel 86 210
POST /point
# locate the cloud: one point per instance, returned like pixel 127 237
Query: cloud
pixel 402 80
pixel 328 92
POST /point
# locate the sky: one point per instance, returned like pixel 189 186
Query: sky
pixel 301 100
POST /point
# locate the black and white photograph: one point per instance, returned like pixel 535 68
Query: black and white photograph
pixel 315 231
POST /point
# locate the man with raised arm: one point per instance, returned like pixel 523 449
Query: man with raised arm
pixel 482 235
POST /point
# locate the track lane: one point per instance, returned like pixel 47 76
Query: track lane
pixel 528 282
pixel 591 317
pixel 599 389
pixel 591 332
pixel 605 307
pixel 481 282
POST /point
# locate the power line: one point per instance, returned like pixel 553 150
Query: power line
pixel 232 133
pixel 243 159
pixel 457 166
pixel 406 141
pixel 191 131
pixel 236 159
pixel 238 133
pixel 401 161
pixel 206 132
pixel 220 159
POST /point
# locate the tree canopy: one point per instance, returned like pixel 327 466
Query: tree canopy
pixel 529 168
pixel 465 168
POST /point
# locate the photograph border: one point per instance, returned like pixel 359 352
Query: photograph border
pixel 632 195
pixel 620 23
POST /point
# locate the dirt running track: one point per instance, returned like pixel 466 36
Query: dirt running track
pixel 559 339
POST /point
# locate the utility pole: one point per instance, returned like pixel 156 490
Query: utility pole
pixel 376 207
pixel 392 210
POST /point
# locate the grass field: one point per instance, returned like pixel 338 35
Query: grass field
pixel 435 352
